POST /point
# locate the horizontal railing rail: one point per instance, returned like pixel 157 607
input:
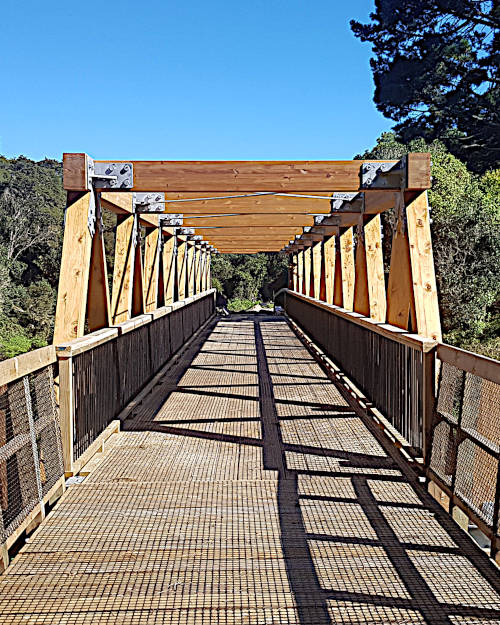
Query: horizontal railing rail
pixel 31 459
pixel 393 368
pixel 103 371
pixel 465 437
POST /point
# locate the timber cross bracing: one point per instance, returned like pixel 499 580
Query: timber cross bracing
pixel 324 214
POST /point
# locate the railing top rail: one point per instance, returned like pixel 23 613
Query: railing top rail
pixel 83 344
pixel 24 364
pixel 389 331
pixel 483 367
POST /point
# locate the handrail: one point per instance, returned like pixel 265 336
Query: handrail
pixel 89 341
pixel 481 366
pixel 24 364
pixel 385 329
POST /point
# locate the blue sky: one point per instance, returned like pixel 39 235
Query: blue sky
pixel 186 80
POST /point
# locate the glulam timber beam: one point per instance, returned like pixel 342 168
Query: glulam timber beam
pixel 244 205
pixel 252 220
pixel 254 176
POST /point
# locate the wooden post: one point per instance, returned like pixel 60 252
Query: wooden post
pixel 151 267
pixel 329 267
pixel 209 270
pixel 338 293
pixel 138 303
pixel 295 278
pixel 347 268
pixel 169 268
pixel 98 307
pixel 66 412
pixel 75 269
pixel 400 300
pixel 123 270
pixel 317 252
pixel 190 267
pixel 422 268
pixel 300 271
pixel 203 267
pixel 181 266
pixel 375 268
pixel 307 268
pixel 361 298
pixel 199 266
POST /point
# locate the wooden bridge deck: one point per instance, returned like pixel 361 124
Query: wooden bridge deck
pixel 246 490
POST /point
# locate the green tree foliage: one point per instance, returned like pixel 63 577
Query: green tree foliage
pixel 31 213
pixel 465 231
pixel 249 277
pixel 436 72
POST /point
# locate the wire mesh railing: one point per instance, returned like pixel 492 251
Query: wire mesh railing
pixel 31 459
pixel 465 437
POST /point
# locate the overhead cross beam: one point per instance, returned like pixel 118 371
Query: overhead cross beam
pixel 231 176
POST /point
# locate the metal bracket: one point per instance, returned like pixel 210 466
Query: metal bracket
pixel 109 175
pixel 197 238
pixel 383 175
pixel 136 231
pixel 170 220
pixel 186 231
pixel 92 215
pixel 153 202
pixel 352 204
pixel 341 195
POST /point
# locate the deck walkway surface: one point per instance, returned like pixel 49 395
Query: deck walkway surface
pixel 244 489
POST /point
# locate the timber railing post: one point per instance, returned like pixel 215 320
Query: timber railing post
pixel 347 272
pixel 317 253
pixel 181 266
pixel 75 268
pixel 151 267
pixel 329 267
pixel 190 266
pixel 422 268
pixel 307 268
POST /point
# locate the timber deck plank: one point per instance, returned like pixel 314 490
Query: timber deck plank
pixel 245 490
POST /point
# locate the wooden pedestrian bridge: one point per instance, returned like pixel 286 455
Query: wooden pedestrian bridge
pixel 333 463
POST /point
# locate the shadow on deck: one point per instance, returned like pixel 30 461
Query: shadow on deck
pixel 245 489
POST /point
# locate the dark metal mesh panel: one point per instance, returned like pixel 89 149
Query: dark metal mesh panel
pixel 159 337
pixel 110 375
pixel 96 391
pixel 389 373
pixel 465 444
pixel 30 446
pixel 187 321
pixel 176 330
pixel 134 362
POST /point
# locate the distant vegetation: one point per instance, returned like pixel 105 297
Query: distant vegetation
pixel 465 227
pixel 435 67
pixel 31 219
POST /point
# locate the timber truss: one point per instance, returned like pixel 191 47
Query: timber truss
pixel 324 214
